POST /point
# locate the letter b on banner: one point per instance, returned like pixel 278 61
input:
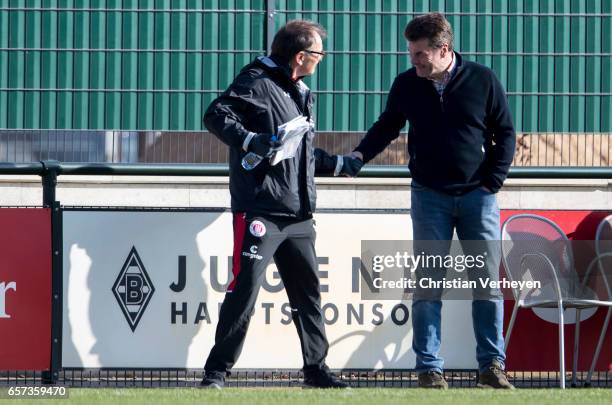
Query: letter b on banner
pixel 134 284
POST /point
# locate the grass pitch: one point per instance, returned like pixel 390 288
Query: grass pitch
pixel 357 396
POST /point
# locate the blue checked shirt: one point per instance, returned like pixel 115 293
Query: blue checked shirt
pixel 441 84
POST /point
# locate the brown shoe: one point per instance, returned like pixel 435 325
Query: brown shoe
pixel 432 379
pixel 494 377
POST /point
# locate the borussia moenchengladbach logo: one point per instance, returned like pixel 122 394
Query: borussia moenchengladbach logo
pixel 133 289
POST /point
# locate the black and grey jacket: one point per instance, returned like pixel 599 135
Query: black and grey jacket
pixel 261 98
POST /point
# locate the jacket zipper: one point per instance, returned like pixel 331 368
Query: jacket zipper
pixel 303 162
pixel 305 203
pixel 445 87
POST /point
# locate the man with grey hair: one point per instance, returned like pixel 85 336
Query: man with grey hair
pixel 273 205
pixel 461 143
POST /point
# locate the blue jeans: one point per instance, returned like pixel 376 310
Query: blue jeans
pixel 474 216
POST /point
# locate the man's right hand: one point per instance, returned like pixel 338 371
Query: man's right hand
pixel 357 155
pixel 350 166
pixel 264 145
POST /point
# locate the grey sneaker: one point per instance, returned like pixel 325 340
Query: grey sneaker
pixel 494 377
pixel 432 379
pixel 213 380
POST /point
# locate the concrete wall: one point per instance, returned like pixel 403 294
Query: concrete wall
pixel 365 193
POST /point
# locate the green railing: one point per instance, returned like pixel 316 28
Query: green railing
pixel 41 168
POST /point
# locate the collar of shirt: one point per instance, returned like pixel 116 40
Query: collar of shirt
pixel 448 73
pixel 273 64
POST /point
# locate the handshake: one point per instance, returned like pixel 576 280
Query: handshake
pixel 266 144
pixel 349 165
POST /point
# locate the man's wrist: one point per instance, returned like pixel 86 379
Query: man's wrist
pixel 339 165
pixel 489 187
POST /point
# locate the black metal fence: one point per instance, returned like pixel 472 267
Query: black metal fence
pixel 175 378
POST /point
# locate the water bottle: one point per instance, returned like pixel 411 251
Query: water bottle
pixel 251 160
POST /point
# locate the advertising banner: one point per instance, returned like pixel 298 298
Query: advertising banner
pixel 143 289
pixel 534 341
pixel 25 289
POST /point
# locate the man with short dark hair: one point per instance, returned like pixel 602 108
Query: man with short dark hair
pixel 461 143
pixel 273 205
